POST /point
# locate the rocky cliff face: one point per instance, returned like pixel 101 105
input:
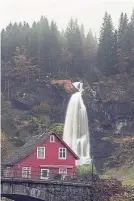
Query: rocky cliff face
pixel 110 108
pixel 35 108
pixel 111 116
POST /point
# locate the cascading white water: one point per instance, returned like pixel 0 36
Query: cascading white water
pixel 76 132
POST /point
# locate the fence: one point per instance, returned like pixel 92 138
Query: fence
pixel 37 172
pixel 44 173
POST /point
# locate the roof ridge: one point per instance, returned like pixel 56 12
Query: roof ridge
pixel 31 145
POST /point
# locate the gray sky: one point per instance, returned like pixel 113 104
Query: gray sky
pixel 88 12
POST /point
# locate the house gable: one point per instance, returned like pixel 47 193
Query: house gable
pixel 28 153
pixel 64 144
pixel 51 154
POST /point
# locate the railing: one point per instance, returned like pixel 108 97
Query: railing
pixel 44 173
pixel 37 173
pixel 52 174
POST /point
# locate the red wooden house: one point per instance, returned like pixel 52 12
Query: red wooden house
pixel 43 156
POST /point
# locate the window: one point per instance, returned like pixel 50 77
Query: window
pixel 62 171
pixel 41 152
pixel 44 173
pixel 8 172
pixel 62 153
pixel 52 138
pixel 26 172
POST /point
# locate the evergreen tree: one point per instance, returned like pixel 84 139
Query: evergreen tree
pixel 70 53
pixel 7 43
pixel 4 44
pixel 82 33
pixel 122 32
pixel 43 44
pixel 75 47
pixel 90 50
pixel 33 42
pixel 90 46
pixel 106 50
pixel 55 48
pixel 130 35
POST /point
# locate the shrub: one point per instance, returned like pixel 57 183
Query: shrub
pixel 83 170
pixel 43 108
pixel 57 127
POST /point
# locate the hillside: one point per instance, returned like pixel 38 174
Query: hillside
pixel 21 119
pixel 37 61
pixel 6 147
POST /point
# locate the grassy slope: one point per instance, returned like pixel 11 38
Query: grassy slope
pixel 123 166
pixel 119 88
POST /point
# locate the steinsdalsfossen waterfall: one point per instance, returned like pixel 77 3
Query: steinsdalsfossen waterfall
pixel 76 131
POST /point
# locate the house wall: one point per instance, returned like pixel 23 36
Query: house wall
pixel 51 158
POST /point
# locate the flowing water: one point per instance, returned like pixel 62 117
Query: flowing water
pixel 76 131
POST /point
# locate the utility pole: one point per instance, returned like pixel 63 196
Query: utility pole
pixel 92 170
pixel 8 88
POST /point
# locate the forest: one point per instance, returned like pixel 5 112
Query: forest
pixel 32 55
pixel 42 50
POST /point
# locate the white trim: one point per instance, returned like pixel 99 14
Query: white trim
pixel 38 151
pixel 52 138
pixel 41 173
pixel 63 158
pixel 57 166
pixel 8 172
pixel 62 169
pixel 26 172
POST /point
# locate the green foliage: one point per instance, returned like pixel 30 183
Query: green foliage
pixel 106 49
pixel 71 52
pixel 43 108
pixel 83 170
pixel 41 120
pixel 57 127
pixel 122 30
pixel 6 147
pixel 6 109
pixel 58 85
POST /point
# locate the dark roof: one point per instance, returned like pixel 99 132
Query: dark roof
pixel 30 146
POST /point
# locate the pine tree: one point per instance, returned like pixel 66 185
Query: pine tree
pixel 121 61
pixel 75 47
pixel 82 33
pixel 7 43
pixel 33 42
pixel 106 50
pixel 130 34
pixel 90 47
pixel 55 48
pixel 122 32
pixel 43 44
pixel 90 51
pixel 4 45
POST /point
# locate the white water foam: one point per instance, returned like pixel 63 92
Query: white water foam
pixel 76 131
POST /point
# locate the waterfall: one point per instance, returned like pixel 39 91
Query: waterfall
pixel 76 131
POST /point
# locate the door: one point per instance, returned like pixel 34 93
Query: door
pixel 63 172
pixel 44 173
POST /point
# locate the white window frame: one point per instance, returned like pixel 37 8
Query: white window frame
pixel 26 172
pixel 63 171
pixel 8 172
pixel 52 138
pixel 39 157
pixel 64 158
pixel 41 173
